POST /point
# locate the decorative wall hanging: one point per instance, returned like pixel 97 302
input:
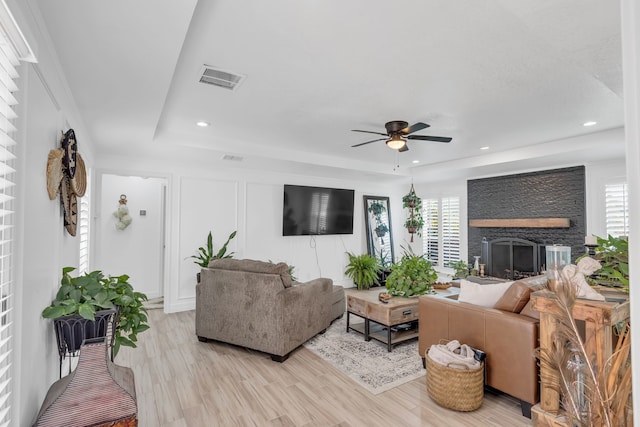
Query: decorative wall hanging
pixel 67 176
pixel 122 214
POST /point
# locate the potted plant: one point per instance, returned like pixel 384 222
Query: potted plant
pixel 414 224
pixel 376 209
pixel 205 255
pixel 412 276
pixel 411 200
pixel 363 270
pixel 381 229
pixel 461 269
pixel 613 254
pixel 88 298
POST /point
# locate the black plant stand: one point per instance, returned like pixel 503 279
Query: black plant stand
pixel 71 331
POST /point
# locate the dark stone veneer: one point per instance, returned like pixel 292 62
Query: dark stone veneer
pixel 557 193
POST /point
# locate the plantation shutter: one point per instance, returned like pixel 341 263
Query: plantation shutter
pixel 450 230
pixel 13 48
pixel 83 229
pixel 617 209
pixel 430 231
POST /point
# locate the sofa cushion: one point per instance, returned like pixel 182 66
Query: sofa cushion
pixel 482 295
pixel 515 298
pixel 253 266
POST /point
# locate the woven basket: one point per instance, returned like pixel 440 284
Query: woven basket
pixel 455 388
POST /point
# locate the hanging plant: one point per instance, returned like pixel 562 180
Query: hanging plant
pixel 411 200
pixel 414 222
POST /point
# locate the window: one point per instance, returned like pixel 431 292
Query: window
pixel 13 48
pixel 441 233
pixel 617 209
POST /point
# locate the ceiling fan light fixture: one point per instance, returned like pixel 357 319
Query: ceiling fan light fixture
pixel 396 142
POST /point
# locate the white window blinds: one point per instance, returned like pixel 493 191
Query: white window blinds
pixel 83 228
pixel 450 230
pixel 13 49
pixel 617 209
pixel 441 232
pixel 430 231
pixel 8 72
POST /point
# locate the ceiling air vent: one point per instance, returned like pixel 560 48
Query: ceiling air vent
pixel 220 78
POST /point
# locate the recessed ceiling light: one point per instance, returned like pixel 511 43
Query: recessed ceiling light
pixel 202 124
pixel 589 123
pixel 484 148
pixel 415 161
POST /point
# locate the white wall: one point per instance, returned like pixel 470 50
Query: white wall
pixel 138 249
pixel 45 246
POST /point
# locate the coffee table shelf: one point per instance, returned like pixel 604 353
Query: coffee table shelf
pixel 380 318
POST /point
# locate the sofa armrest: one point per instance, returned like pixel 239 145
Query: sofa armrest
pixel 306 310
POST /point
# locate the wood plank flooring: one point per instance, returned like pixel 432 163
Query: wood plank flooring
pixel 183 382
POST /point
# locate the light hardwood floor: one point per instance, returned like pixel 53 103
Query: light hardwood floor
pixel 183 382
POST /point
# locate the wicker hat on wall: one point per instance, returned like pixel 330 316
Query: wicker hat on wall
pixel 79 181
pixel 54 172
pixel 70 205
pixel 67 176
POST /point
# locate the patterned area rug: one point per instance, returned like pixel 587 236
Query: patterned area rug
pixel 369 363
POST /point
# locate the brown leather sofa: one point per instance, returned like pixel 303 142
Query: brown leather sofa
pixel 508 339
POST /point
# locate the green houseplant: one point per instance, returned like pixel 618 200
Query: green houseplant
pixel 461 269
pixel 205 254
pixel 86 295
pixel 363 270
pixel 613 254
pixel 413 275
pixel 414 224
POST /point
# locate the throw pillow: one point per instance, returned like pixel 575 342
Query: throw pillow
pixel 528 310
pixel 515 298
pixel 482 295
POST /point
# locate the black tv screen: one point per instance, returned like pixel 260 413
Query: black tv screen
pixel 316 211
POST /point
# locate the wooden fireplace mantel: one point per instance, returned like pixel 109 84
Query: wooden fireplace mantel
pixel 521 223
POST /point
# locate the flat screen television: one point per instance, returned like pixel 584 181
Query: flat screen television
pixel 316 211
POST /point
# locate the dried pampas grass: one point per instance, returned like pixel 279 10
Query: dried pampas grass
pixel 591 395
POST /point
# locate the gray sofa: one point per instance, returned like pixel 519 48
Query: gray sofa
pixel 254 304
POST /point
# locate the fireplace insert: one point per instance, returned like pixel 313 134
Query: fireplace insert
pixel 512 258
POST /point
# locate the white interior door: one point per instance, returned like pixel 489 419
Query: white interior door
pixel 137 249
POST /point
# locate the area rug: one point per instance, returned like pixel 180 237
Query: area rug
pixel 368 363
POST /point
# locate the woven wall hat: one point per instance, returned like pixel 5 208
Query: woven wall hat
pixel 54 172
pixel 70 147
pixel 70 204
pixel 79 181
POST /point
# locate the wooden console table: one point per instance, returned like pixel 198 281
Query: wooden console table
pixel 599 317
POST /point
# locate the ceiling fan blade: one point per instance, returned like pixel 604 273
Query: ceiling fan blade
pixel 430 138
pixel 368 131
pixel 369 142
pixel 415 128
pixel 404 148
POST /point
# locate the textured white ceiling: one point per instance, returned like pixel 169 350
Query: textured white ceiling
pixel 505 74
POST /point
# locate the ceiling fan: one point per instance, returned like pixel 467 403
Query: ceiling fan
pixel 398 132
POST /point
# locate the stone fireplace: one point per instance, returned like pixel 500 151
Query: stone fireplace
pixel 512 218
